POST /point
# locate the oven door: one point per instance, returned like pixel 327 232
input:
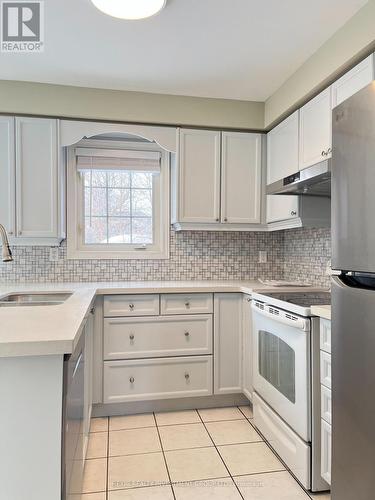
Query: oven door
pixel 282 365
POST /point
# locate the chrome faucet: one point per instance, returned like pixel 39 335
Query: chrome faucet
pixel 6 252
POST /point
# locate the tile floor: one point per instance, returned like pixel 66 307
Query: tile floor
pixel 186 455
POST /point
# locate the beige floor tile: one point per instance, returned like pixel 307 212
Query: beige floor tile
pixel 99 424
pixel 320 496
pixel 247 411
pixel 249 458
pixel 193 465
pixel 276 485
pixel 178 437
pixel 93 496
pixel 97 445
pixel 232 431
pixel 95 475
pixel 214 489
pixel 177 417
pixel 131 422
pixel 131 441
pixel 152 493
pixel 216 414
pixel 137 471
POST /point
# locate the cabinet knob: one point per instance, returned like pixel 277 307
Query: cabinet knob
pixel 293 212
pixel 324 153
pixel 329 151
pixel 187 334
pixel 19 233
pixel 187 304
pixel 131 306
pixel 10 233
pixel 225 219
pixel 131 336
pixel 249 300
pixel 217 220
pixel 187 376
pixel 131 380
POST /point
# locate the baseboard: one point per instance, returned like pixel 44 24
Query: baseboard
pixel 132 408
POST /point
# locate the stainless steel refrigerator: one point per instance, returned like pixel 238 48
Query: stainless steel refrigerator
pixel 353 298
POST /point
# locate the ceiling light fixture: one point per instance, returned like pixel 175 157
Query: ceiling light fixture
pixel 130 9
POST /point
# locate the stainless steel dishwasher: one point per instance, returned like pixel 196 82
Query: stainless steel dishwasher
pixel 73 422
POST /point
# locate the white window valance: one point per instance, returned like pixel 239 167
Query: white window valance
pixel 117 159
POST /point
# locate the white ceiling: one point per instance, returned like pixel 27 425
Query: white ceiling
pixel 235 49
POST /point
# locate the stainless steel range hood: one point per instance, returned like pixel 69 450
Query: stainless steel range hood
pixel 313 181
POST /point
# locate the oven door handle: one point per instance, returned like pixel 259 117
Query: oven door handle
pixel 281 316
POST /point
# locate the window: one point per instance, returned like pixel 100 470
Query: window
pixel 118 201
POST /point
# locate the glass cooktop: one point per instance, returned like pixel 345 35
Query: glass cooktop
pixel 303 299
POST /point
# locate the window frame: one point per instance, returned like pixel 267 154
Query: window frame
pixel 77 248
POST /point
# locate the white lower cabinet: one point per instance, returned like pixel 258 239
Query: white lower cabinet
pixel 164 378
pixel 227 343
pixel 247 356
pixel 326 451
pixel 148 337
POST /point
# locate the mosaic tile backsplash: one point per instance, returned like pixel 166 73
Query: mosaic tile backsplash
pixel 294 254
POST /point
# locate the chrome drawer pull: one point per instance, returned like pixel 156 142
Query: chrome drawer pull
pixel 187 334
pixel 131 380
pixel 187 376
pixel 131 306
pixel 131 336
pixel 187 304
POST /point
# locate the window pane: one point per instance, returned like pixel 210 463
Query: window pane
pixel 95 230
pixel 119 230
pixel 86 178
pixel 119 202
pixel 99 178
pixel 142 180
pixel 119 179
pixel 99 201
pixel 142 202
pixel 142 230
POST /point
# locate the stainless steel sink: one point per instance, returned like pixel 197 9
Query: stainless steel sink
pixel 34 299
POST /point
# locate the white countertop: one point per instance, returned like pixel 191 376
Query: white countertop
pixel 322 311
pixel 50 330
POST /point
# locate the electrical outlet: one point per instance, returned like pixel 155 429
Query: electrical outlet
pixel 54 254
pixel 262 259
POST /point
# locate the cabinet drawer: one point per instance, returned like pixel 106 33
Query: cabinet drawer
pixel 195 303
pixel 131 305
pixel 326 404
pixel 160 336
pixel 163 378
pixel 325 335
pixel 326 451
pixel 325 369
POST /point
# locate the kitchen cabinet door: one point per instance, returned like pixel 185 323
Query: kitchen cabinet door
pixel 282 149
pixel 88 377
pixel 353 81
pixel 241 178
pixel 247 358
pixel 37 178
pixel 326 451
pixel 315 138
pixel 281 208
pixel 198 189
pixel 227 343
pixel 7 174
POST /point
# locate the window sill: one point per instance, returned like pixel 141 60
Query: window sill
pixel 75 254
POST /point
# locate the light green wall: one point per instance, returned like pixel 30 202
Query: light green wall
pixel 346 47
pixel 78 102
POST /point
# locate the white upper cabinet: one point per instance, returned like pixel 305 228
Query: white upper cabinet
pixel 31 181
pixel 7 174
pixel 282 149
pixel 199 176
pixel 37 177
pixel 282 160
pixel 217 180
pixel 316 130
pixel 241 178
pixel 280 208
pixel 353 81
